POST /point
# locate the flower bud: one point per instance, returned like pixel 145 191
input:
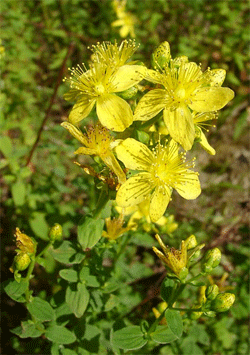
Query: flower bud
pixel 196 315
pixel 161 56
pixel 223 302
pixel 129 93
pixel 55 233
pixel 212 259
pixel 212 291
pixel 191 242
pixel 21 261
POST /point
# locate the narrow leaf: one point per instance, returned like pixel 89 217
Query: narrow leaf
pixel 77 298
pixel 60 335
pixel 41 310
pixel 174 321
pixel 16 290
pixel 163 335
pixel 29 329
pixel 129 338
pixel 69 275
pixel 89 232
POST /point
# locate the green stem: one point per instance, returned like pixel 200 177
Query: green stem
pixel 31 268
pixel 185 309
pixel 44 250
pixel 101 203
pixel 156 322
pixel 122 247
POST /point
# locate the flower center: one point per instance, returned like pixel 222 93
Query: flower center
pixel 180 94
pixel 99 89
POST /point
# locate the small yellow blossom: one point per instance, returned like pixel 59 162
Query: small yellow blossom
pixel 125 19
pixel 114 54
pixel 99 85
pixel 24 243
pixel 185 89
pixel 114 227
pixel 161 171
pixel 140 212
pixel 97 141
pixel 200 122
pixel 176 260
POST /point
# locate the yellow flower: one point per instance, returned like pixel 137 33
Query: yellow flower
pixel 161 171
pixel 125 19
pixel 185 89
pixel 200 121
pixel 97 141
pixel 98 86
pixel 24 243
pixel 114 227
pixel 176 260
pixel 114 55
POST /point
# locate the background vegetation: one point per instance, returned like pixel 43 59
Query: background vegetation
pixel 39 40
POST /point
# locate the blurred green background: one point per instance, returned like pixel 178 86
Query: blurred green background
pixel 36 37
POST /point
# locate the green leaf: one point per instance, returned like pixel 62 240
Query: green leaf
pixel 112 302
pixel 68 352
pixel 60 335
pixel 18 190
pixel 29 329
pixel 174 321
pixel 167 288
pixel 69 275
pixel 39 225
pixel 77 298
pixel 90 339
pixel 89 232
pixel 16 290
pixel 67 253
pixel 199 334
pixel 189 347
pixel 6 146
pixel 163 335
pixel 85 276
pixel 41 310
pixel 129 338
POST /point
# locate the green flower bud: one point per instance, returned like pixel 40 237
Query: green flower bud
pixel 212 291
pixel 195 315
pixel 183 273
pixel 161 56
pixel 212 259
pixel 129 93
pixel 21 261
pixel 191 242
pixel 223 302
pixel 55 233
pixel 210 314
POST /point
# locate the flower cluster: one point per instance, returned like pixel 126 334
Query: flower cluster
pixel 146 154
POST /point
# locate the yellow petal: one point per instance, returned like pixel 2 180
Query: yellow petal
pixel 75 132
pixel 180 126
pixel 134 155
pixel 159 202
pixel 124 31
pixel 154 76
pixel 127 76
pixel 114 112
pixel 190 188
pixel 86 151
pixel 80 110
pixel 134 190
pixel 113 164
pixel 211 98
pixel 215 77
pixel 151 104
pixel 204 143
